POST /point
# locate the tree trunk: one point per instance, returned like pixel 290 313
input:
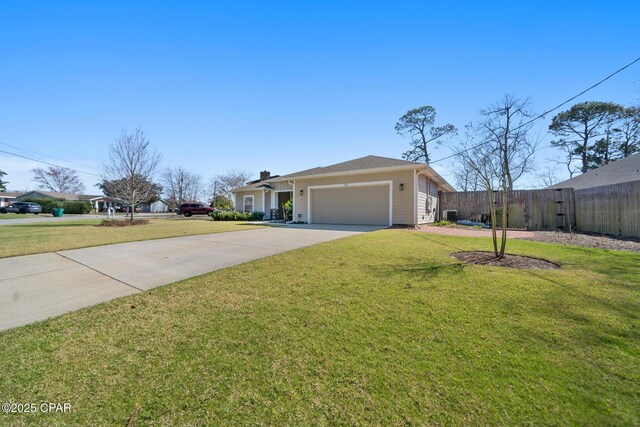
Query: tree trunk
pixel 492 210
pixel 505 210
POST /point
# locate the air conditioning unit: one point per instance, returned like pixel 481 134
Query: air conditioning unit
pixel 450 215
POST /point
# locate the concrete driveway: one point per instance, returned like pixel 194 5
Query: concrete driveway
pixel 36 287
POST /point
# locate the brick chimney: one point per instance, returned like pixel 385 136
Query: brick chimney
pixel 265 175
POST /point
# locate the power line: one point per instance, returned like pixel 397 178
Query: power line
pixel 50 164
pixel 541 116
pixel 28 152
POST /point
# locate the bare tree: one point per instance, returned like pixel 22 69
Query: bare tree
pixel 503 154
pixel 547 178
pixel 223 184
pixel 180 185
pixel 466 179
pixel 58 179
pixel 418 124
pixel 131 169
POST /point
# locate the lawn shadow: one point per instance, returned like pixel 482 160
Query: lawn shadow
pixel 421 271
pixel 628 308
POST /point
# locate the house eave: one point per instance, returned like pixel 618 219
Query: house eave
pixel 350 173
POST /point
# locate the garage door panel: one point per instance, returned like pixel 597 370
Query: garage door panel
pixel 365 205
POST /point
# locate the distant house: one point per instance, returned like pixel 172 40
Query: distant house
pixel 55 195
pixel 618 172
pixel 98 203
pixel 8 197
pixel 371 190
pixel 155 207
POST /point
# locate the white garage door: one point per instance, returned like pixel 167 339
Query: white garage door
pixel 361 205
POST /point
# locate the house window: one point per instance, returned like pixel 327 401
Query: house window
pixel 248 203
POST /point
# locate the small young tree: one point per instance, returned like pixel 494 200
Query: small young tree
pixel 418 124
pixel 503 154
pixel 131 168
pixel 58 179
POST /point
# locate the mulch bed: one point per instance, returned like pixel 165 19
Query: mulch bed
pixel 510 261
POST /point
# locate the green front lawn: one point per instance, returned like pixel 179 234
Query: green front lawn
pixel 20 216
pixel 25 239
pixel 381 328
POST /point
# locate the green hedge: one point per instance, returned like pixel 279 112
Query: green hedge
pixel 69 206
pixel 237 216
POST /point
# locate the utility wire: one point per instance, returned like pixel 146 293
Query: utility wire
pixel 50 164
pixel 541 116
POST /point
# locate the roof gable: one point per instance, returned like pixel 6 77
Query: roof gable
pixel 362 163
pixel 623 170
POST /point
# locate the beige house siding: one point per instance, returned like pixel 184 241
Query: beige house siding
pixel 257 200
pixel 403 206
pixel 427 200
pixel 282 185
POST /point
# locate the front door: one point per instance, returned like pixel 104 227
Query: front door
pixel 283 197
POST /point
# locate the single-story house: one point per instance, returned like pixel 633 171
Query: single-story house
pixel 623 170
pixel 55 195
pixel 155 207
pixel 8 197
pixel 98 203
pixel 370 190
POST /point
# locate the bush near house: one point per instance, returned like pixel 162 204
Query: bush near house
pixel 69 206
pixel 238 216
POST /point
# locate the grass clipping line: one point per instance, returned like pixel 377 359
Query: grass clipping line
pixel 509 261
pixel 121 222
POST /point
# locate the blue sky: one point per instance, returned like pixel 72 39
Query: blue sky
pixel 285 86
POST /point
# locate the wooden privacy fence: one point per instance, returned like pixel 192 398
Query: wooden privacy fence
pixel 611 209
pixel 529 209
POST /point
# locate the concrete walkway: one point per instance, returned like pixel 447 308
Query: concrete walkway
pixel 35 287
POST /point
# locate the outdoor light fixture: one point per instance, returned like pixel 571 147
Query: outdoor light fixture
pixel 301 192
pixel 401 186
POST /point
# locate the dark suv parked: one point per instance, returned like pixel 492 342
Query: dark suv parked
pixel 188 209
pixel 22 207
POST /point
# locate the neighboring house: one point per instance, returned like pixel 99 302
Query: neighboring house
pixel 8 197
pixel 98 203
pixel 54 195
pixel 370 190
pixel 623 170
pixel 155 207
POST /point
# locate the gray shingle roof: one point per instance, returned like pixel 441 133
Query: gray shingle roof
pixel 623 170
pixel 54 195
pixel 367 162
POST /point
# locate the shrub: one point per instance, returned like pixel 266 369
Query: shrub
pixel 237 216
pixel 69 206
pixel 444 223
pixel 76 207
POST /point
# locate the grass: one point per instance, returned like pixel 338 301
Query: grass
pixel 19 216
pixel 25 239
pixel 381 328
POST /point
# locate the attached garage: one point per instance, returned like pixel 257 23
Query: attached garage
pixel 366 203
